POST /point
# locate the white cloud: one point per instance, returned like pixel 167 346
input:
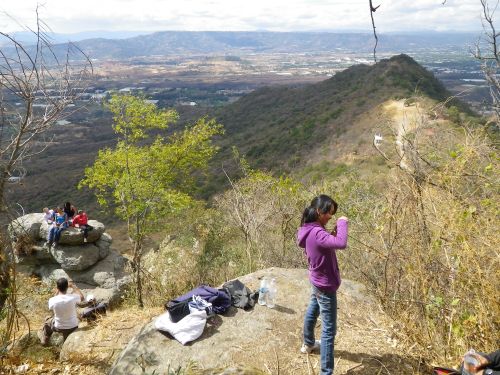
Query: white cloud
pixel 279 15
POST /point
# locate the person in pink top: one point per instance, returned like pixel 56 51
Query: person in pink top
pixel 81 221
pixel 320 248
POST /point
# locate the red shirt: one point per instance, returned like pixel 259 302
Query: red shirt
pixel 80 219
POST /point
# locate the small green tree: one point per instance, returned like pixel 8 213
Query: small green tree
pixel 146 182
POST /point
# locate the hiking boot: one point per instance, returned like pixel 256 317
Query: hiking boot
pixel 306 349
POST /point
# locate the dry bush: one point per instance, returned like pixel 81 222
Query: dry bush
pixel 432 252
pixel 265 213
pixel 251 226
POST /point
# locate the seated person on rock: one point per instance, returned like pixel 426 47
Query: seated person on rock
pixel 60 224
pixel 69 210
pixel 48 217
pixel 63 305
pixel 81 221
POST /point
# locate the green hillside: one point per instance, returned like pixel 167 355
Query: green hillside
pixel 277 124
pixel 278 128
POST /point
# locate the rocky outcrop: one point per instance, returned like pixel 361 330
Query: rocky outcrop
pixel 93 266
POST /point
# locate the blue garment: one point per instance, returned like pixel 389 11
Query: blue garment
pixel 219 299
pixel 324 303
pixel 59 225
pixel 55 233
pixel 60 219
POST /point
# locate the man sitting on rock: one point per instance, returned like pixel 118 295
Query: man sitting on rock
pixel 81 221
pixel 63 305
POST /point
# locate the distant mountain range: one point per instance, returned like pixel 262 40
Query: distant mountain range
pixel 221 42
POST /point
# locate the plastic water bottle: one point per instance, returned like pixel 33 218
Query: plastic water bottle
pixel 470 361
pixel 271 295
pixel 263 290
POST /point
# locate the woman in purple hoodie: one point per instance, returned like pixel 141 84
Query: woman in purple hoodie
pixel 320 246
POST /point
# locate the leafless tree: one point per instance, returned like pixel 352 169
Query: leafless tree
pixel 486 51
pixel 37 87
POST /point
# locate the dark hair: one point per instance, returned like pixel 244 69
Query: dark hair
pixel 62 284
pixel 67 205
pixel 322 203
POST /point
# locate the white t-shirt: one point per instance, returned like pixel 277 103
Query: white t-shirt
pixel 48 216
pixel 64 307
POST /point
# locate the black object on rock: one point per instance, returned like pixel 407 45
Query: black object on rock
pixel 241 296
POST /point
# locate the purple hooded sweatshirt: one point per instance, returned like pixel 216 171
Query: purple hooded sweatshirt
pixel 320 250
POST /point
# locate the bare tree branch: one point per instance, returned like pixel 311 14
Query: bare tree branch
pixel 36 87
pixel 373 10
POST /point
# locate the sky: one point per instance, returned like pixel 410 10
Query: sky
pixel 72 16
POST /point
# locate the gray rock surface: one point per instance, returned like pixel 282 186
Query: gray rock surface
pixel 75 258
pixel 38 254
pixel 27 225
pixel 104 244
pixel 106 280
pixel 73 236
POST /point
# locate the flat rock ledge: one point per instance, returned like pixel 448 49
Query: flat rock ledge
pixel 249 338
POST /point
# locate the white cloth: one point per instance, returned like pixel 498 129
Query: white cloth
pixel 64 307
pixel 198 303
pixel 185 330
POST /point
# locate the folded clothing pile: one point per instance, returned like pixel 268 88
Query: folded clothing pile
pixel 186 315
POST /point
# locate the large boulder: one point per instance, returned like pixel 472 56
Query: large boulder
pixel 106 280
pixel 104 244
pixel 73 236
pixel 26 226
pixel 75 258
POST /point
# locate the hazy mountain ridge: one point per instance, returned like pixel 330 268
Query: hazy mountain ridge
pixel 222 42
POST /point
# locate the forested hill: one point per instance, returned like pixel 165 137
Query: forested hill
pixel 277 127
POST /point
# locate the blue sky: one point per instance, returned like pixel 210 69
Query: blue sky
pixel 71 16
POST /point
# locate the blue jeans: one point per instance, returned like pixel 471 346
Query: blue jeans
pixel 323 303
pixel 55 233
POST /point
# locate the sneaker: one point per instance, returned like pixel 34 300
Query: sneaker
pixel 306 349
